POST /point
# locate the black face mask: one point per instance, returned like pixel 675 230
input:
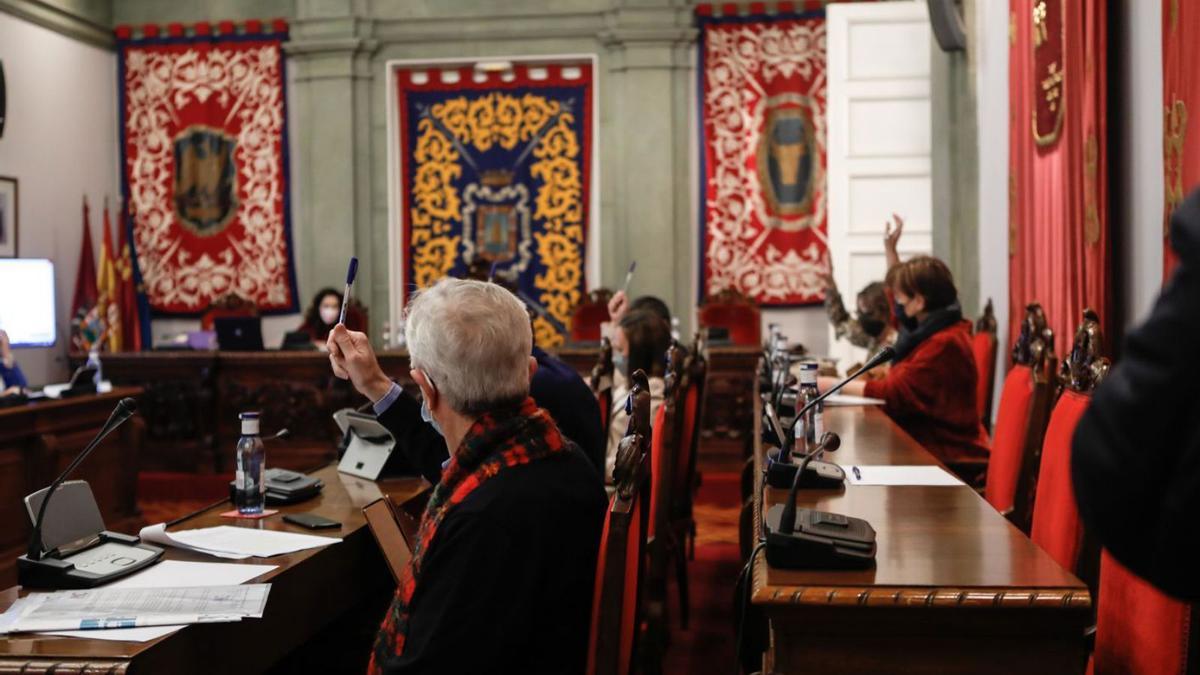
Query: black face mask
pixel 908 322
pixel 871 325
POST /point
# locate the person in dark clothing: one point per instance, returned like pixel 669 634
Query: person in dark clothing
pixel 555 387
pixel 503 566
pixel 1135 459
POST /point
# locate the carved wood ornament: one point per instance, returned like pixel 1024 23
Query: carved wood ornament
pixel 1085 365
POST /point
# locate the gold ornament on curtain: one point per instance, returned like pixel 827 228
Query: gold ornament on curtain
pixel 1091 208
pixel 1175 120
pixel 1049 102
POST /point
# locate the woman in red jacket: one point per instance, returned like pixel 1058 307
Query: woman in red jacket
pixel 930 389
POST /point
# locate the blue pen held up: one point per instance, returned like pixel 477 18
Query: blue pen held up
pixel 351 272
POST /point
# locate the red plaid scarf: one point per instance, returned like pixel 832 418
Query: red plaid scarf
pixel 497 441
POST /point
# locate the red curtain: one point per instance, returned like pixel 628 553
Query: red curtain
pixel 1058 168
pixel 1181 91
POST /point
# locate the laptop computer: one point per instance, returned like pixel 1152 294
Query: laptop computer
pixel 239 333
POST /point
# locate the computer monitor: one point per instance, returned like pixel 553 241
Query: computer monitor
pixel 239 333
pixel 27 302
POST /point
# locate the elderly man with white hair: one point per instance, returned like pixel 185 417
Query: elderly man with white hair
pixel 503 567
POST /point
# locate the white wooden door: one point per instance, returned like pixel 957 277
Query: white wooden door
pixel 879 141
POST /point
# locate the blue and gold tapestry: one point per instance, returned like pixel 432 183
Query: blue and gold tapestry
pixel 495 171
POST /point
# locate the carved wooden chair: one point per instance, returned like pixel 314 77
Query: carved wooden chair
pixel 601 382
pixel 735 312
pixel 1139 629
pixel 661 546
pixel 617 598
pixel 587 316
pixel 1021 420
pixel 983 344
pixel 686 478
pixel 1057 527
pixel 226 306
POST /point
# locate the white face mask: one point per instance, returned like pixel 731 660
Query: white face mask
pixel 330 315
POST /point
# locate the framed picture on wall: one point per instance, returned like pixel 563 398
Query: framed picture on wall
pixel 8 217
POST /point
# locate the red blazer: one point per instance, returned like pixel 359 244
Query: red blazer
pixel 931 395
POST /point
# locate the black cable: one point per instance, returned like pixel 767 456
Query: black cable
pixel 744 577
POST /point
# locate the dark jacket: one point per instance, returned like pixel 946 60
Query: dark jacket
pixel 931 394
pixel 1136 454
pixel 555 387
pixel 507 585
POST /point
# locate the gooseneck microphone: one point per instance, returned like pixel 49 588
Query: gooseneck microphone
pixel 124 410
pixel 885 354
pixel 829 443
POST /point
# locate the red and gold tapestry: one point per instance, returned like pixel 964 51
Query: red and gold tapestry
pixel 1059 242
pixel 762 103
pixel 204 152
pixel 495 175
pixel 1181 104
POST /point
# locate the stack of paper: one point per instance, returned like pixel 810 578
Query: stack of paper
pixel 167 574
pixel 226 541
pixel 120 608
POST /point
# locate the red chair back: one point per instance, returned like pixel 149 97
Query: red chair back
pixel 1139 630
pixel 983 344
pixel 1057 527
pixel 589 314
pixel 1008 438
pixel 228 306
pixel 620 567
pixel 736 313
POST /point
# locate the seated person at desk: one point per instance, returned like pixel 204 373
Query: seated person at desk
pixel 930 389
pixel 503 567
pixel 640 341
pixel 12 380
pixel 871 327
pixel 323 314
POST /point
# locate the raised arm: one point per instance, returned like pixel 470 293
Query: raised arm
pixel 891 237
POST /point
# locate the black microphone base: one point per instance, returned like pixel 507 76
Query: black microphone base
pixel 58 573
pixel 821 541
pixel 817 476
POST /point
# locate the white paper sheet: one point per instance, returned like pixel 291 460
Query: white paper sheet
pixel 901 475
pixel 227 541
pixel 165 574
pixel 847 399
pixel 55 611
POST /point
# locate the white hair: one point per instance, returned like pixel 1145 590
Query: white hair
pixel 473 340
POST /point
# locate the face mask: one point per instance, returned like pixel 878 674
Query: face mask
pixel 621 363
pixel 428 417
pixel 905 320
pixel 871 325
pixel 330 315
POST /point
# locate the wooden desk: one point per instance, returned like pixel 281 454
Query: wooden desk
pixel 956 588
pixel 191 401
pixel 38 440
pixel 311 591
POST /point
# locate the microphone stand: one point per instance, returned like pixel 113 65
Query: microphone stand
pixel 125 409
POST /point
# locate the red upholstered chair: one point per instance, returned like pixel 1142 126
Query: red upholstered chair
pixel 686 479
pixel 601 381
pixel 1057 527
pixel 1021 420
pixel 1139 630
pixel 230 305
pixel 617 597
pixel 589 314
pixel 735 312
pixel 983 344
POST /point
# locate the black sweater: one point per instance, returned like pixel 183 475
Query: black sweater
pixel 1136 453
pixel 506 586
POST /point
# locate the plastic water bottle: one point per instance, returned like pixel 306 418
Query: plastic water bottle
pixel 675 334
pixel 94 362
pixel 250 493
pixel 814 424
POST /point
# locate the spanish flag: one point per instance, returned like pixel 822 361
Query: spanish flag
pixel 106 283
pixel 131 331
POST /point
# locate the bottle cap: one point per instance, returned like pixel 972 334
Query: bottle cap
pixel 249 423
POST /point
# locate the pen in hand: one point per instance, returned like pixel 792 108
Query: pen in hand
pixel 350 274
